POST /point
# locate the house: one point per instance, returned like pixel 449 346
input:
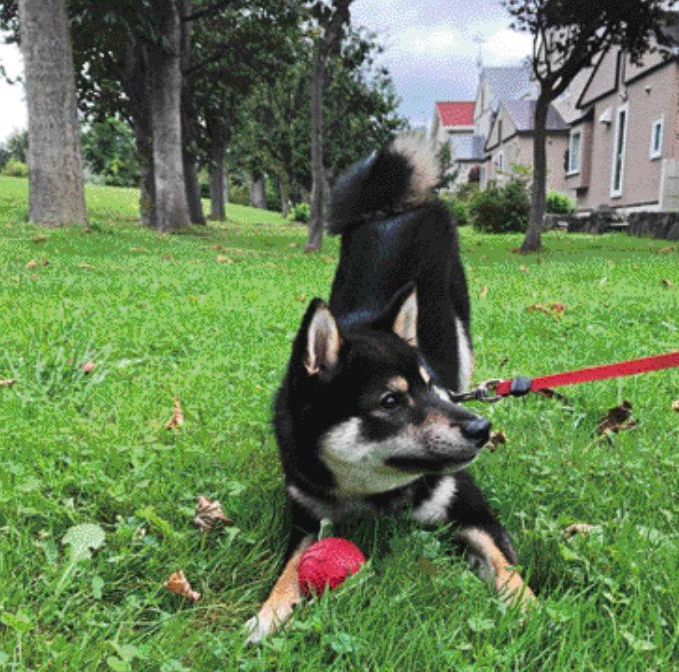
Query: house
pixel 623 147
pixel 510 143
pixel 453 126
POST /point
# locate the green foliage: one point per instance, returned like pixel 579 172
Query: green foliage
pixel 15 147
pixel 465 191
pixel 501 209
pixel 559 204
pixel 15 168
pixel 110 152
pixel 458 209
pixel 299 212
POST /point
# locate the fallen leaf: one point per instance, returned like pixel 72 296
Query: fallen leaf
pixel 177 419
pixel 7 382
pixel 168 257
pixel 209 514
pixel 88 367
pixel 667 283
pixel 136 248
pixel 515 250
pixel 675 404
pixel 523 269
pixel 32 264
pixel 484 292
pixel 327 260
pixel 40 239
pixel 666 250
pixel 578 528
pixel 302 297
pixel 218 247
pixel 223 259
pixel 497 439
pixel 617 418
pixel 179 584
pixel 86 267
pixel 551 309
pixel 293 245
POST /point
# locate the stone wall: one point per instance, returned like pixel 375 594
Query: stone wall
pixel 661 225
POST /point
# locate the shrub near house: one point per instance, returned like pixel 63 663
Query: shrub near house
pixel 501 209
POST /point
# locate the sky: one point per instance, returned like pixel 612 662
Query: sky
pixel 430 50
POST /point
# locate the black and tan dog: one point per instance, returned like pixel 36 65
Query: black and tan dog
pixel 362 418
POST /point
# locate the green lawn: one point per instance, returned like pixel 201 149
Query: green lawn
pixel 208 317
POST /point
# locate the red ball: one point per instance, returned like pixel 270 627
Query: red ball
pixel 328 563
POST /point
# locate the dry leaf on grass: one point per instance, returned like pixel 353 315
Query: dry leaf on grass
pixel 86 267
pixel 209 514
pixel 7 382
pixel 33 263
pixel 668 283
pixel 617 418
pixel 223 259
pixel 497 439
pixel 293 245
pixel 179 584
pixel 675 404
pixel 552 309
pixel 88 367
pixel 523 269
pixel 40 239
pixel 177 419
pixel 484 292
pixel 578 528
pixel 667 250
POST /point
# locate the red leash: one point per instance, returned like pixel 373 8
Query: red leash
pixel 493 390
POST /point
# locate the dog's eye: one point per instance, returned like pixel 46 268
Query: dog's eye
pixel 389 401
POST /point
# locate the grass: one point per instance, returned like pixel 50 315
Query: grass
pixel 208 317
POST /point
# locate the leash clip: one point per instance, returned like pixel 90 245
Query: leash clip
pixel 484 392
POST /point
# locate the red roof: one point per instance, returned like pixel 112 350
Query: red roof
pixel 456 113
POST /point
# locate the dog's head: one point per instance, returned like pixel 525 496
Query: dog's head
pixel 369 405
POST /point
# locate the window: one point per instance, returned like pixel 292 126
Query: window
pixel 618 172
pixel 574 145
pixel 500 163
pixel 656 138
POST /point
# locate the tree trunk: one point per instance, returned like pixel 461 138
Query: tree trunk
pixel 533 240
pixel 165 79
pixel 55 183
pixel 284 189
pixel 317 209
pixel 192 184
pixel 144 142
pixel 258 192
pixel 217 182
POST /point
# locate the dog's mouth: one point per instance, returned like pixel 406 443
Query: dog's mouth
pixel 419 465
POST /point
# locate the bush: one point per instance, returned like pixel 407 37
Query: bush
pixel 239 194
pixel 501 209
pixel 457 209
pixel 559 204
pixel 15 168
pixel 299 212
pixel 465 191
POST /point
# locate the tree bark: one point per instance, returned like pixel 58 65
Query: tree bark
pixel 166 85
pixel 192 185
pixel 533 240
pixel 217 182
pixel 284 189
pixel 317 210
pixel 144 143
pixel 258 192
pixel 55 181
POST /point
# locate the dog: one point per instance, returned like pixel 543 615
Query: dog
pixel 363 419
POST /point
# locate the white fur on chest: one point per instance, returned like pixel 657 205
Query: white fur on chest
pixel 358 465
pixel 434 509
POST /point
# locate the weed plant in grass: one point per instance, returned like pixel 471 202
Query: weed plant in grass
pixel 208 317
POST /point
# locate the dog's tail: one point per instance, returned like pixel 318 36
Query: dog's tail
pixel 401 176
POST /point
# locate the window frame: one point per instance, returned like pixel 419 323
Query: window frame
pixel 621 136
pixel 574 170
pixel 656 153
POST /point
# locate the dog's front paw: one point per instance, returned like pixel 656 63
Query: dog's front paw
pixel 258 627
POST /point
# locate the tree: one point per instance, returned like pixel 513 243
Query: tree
pixel 56 187
pixel 331 21
pixel 567 36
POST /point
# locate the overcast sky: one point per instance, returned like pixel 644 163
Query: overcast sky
pixel 430 51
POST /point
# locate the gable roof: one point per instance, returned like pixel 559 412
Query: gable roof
pixel 522 114
pixel 511 82
pixel 456 113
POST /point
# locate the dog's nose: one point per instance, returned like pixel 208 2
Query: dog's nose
pixel 477 430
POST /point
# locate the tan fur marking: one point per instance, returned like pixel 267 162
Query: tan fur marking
pixel 284 596
pixel 425 375
pixel 397 384
pixel 507 582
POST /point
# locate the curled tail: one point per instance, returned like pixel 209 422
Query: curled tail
pixel 401 176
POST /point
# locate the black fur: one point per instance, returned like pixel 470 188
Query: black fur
pixel 382 259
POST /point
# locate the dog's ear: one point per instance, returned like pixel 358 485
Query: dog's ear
pixel 322 340
pixel 400 316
